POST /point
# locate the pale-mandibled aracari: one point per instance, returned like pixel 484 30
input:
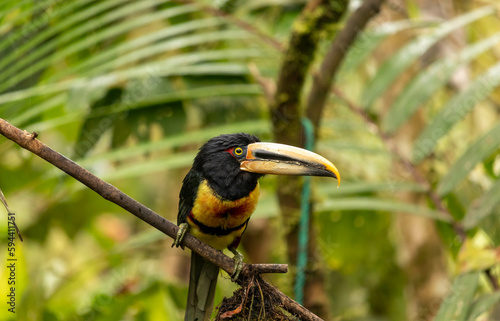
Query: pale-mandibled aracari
pixel 219 194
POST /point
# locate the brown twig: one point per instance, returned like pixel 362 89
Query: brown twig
pixel 297 58
pixel 28 141
pixel 268 85
pixel 492 279
pixel 323 78
pixel 11 218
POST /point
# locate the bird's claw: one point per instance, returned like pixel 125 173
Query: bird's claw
pixel 238 264
pixel 183 227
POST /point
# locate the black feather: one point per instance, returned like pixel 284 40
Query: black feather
pixel 187 195
pixel 222 170
pixel 215 164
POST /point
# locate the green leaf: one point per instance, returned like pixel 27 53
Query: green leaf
pixel 477 151
pixel 267 207
pixel 482 304
pixel 457 304
pixel 483 206
pixel 368 41
pixel 173 161
pixel 421 87
pixel 33 32
pixel 106 59
pixel 155 165
pixel 489 164
pixel 171 45
pixel 37 110
pixel 396 64
pixel 93 128
pixel 476 254
pixel 331 190
pixel 41 57
pixel 454 111
pixel 354 147
pixel 455 206
pixel 146 102
pixel 160 69
pixel 184 139
pixel 68 11
pixel 180 95
pixel 139 240
pixel 373 204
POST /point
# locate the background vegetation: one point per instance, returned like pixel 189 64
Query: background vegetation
pixel 131 89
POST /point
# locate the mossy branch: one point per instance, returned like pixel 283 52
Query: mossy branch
pixel 323 78
pixel 286 114
pixel 297 59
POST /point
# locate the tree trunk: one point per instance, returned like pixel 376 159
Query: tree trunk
pixel 286 117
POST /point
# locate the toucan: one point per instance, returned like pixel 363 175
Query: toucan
pixel 219 194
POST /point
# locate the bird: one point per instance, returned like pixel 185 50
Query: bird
pixel 220 193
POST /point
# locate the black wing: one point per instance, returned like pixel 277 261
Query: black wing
pixel 187 195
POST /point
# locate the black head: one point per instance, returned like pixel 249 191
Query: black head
pixel 218 161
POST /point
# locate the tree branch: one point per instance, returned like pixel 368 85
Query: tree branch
pixel 286 114
pixel 297 58
pixel 29 142
pixel 323 78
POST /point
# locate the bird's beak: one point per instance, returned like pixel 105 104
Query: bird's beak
pixel 279 159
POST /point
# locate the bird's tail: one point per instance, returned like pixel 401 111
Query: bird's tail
pixel 202 282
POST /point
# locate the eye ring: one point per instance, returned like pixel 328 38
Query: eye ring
pixel 238 151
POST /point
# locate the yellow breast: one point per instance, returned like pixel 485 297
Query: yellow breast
pixel 214 212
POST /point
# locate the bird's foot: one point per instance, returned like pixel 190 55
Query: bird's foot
pixel 183 227
pixel 238 264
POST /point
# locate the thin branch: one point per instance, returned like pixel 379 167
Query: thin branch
pixel 492 279
pixel 266 268
pixel 11 218
pixel 297 59
pixel 268 85
pixel 29 142
pixel 323 78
